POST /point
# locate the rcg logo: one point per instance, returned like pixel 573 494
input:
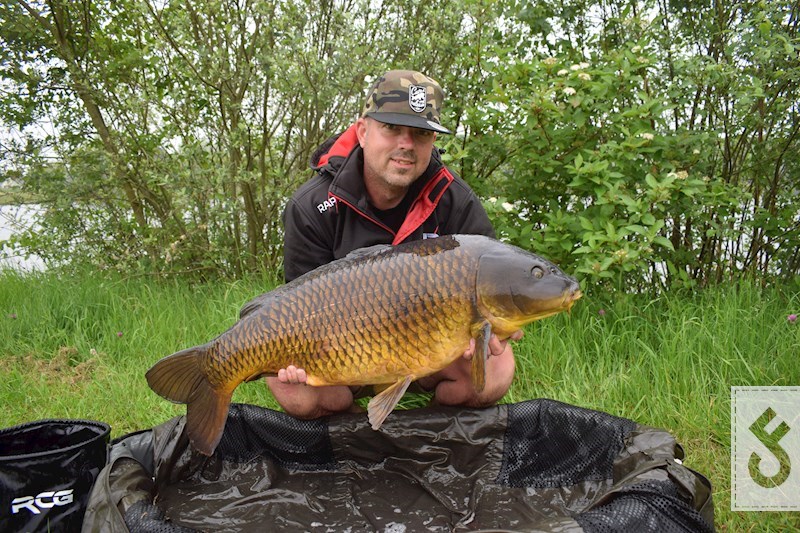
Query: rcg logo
pixel 44 500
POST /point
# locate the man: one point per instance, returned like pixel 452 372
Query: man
pixel 382 182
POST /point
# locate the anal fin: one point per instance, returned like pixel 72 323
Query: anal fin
pixel 381 405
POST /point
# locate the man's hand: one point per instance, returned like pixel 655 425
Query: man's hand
pixel 292 375
pixel 496 346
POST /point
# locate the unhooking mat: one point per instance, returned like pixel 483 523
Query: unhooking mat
pixel 534 466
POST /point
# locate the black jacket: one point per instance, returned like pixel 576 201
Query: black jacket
pixel 329 216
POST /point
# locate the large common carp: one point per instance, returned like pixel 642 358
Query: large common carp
pixel 384 315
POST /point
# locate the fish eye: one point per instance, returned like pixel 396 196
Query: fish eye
pixel 537 272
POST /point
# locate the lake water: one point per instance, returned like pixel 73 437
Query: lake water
pixel 12 219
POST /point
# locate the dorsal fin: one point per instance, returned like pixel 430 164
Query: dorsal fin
pixel 368 250
pixel 255 303
pixel 259 301
pixel 262 299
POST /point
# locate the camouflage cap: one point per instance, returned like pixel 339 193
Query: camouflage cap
pixel 406 98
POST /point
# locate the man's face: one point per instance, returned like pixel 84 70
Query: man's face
pixel 394 155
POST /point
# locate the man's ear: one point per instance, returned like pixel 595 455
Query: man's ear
pixel 361 130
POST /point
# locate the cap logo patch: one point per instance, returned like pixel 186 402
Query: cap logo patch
pixel 417 98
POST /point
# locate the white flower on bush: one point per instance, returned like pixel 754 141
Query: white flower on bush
pixel 584 76
pixel 508 207
pixel 681 175
pixel 569 91
pixel 562 72
pixel 550 61
pixel 647 136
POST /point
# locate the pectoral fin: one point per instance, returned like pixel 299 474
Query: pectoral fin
pixel 481 354
pixel 381 405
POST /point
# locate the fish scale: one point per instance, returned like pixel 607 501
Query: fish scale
pixel 381 316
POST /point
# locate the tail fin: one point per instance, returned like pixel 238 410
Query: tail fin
pixel 180 378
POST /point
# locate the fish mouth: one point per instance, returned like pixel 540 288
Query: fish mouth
pixel 557 305
pixel 571 298
pixel 546 307
pixel 550 306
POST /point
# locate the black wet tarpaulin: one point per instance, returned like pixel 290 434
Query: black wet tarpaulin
pixel 539 465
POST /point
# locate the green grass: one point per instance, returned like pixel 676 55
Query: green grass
pixel 79 348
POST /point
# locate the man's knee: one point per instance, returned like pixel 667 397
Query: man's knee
pixel 307 402
pixel 502 375
pixel 459 390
